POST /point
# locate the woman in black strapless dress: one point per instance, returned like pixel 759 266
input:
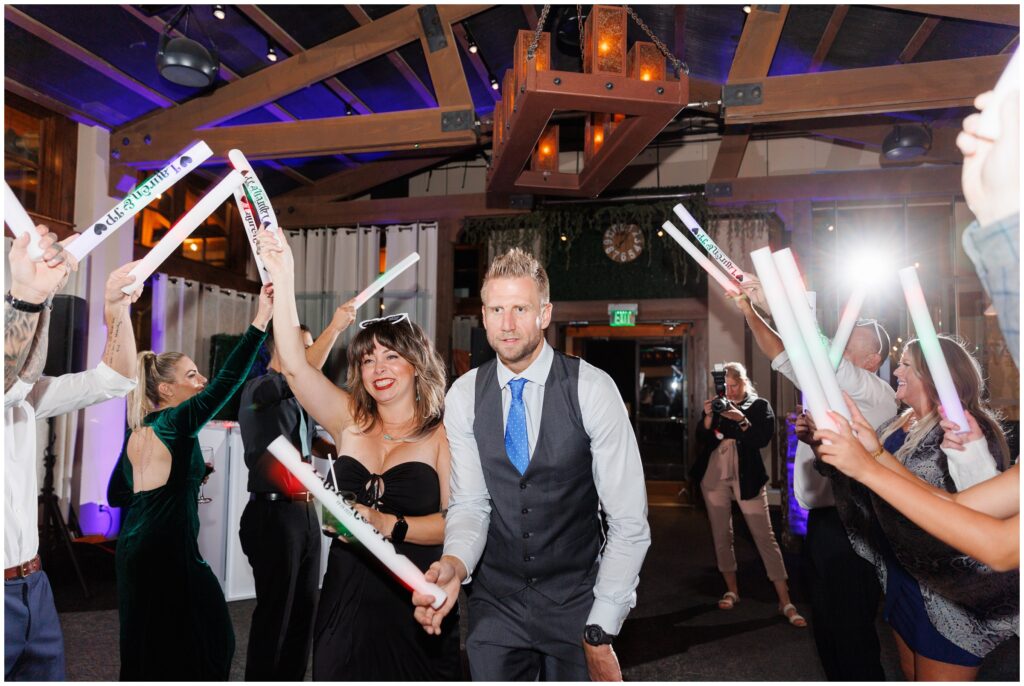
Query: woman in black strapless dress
pixel 395 459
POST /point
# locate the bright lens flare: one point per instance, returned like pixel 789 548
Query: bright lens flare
pixel 867 268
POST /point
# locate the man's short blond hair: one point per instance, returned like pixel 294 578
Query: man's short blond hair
pixel 515 264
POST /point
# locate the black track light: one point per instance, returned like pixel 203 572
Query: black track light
pixel 473 47
pixel 494 82
pixel 271 54
pixel 218 12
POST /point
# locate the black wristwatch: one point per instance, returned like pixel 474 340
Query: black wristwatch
pixel 399 530
pixel 24 305
pixel 596 636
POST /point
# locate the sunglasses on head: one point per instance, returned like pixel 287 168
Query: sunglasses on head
pixel 390 319
pixel 878 334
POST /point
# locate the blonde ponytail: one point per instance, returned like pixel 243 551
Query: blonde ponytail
pixel 153 370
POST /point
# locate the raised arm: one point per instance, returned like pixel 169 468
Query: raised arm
pixel 190 416
pixel 767 340
pixel 318 353
pixel 119 352
pixel 325 402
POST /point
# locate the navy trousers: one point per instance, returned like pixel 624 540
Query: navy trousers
pixel 33 642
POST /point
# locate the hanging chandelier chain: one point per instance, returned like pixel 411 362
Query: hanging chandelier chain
pixel 579 23
pixel 677 64
pixel 532 50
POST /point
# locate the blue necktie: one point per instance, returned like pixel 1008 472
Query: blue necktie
pixel 517 444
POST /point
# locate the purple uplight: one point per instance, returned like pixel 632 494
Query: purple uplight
pixel 797 516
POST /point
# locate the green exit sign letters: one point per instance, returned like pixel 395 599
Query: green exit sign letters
pixel 622 314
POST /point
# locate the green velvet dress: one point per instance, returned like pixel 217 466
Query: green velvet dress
pixel 174 620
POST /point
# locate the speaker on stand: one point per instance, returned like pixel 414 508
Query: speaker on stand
pixel 66 351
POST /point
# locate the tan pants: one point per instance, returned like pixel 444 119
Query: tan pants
pixel 719 493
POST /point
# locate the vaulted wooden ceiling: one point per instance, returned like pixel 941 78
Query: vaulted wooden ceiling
pixel 358 97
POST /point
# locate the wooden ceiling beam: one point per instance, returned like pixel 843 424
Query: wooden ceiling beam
pixel 530 12
pixel 1011 46
pixel 287 76
pixel 917 41
pixel 446 70
pixel 851 185
pixel 49 103
pixel 1006 15
pixel 679 33
pixel 828 37
pixel 752 60
pixel 382 132
pixel 302 214
pixel 871 90
pixel 354 182
pixel 397 61
pixel 474 58
pixel 292 46
pixel 77 52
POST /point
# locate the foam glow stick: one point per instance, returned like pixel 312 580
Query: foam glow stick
pixel 251 226
pixel 846 322
pixel 381 548
pixel 931 348
pixel 989 125
pixel 19 221
pixel 792 340
pixel 183 228
pixel 709 244
pixel 785 265
pixel 691 250
pixel 386 278
pixel 137 199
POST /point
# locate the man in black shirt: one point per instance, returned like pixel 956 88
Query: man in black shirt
pixel 280 532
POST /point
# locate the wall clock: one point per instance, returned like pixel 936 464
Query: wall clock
pixel 623 242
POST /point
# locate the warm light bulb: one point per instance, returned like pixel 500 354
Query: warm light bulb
pixel 660 233
pixel 646 76
pixel 603 47
pixel 564 237
pixel 545 150
pixel 598 137
pixel 193 247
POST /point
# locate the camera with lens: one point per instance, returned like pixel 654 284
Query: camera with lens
pixel 720 403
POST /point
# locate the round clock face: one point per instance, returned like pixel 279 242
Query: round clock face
pixel 623 242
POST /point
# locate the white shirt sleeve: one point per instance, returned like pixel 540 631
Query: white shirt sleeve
pixel 469 503
pixel 619 480
pixel 972 465
pixel 18 392
pixel 56 395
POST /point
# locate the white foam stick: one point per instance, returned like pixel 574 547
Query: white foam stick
pixel 709 244
pixel 989 125
pixel 258 198
pixel 137 199
pixel 386 278
pixel 792 340
pixel 381 548
pixel 691 250
pixel 251 226
pixel 206 206
pixel 19 221
pixel 846 322
pixel 931 348
pixel 793 283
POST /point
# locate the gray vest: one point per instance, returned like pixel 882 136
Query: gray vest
pixel 545 531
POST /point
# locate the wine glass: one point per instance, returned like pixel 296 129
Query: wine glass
pixel 208 460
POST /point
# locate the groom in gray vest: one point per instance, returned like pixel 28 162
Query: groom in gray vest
pixel 541 446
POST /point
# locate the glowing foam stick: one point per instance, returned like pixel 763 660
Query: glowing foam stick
pixel 931 348
pixel 137 199
pixel 386 278
pixel 988 124
pixel 846 322
pixel 381 548
pixel 709 244
pixel 251 226
pixel 792 340
pixel 206 206
pixel 691 250
pixel 788 272
pixel 19 221
pixel 255 208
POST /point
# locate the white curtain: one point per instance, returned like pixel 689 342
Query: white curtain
pixel 415 290
pixel 186 314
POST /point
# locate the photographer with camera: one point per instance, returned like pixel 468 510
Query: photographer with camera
pixel 735 425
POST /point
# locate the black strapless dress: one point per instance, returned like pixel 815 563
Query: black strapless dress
pixel 365 629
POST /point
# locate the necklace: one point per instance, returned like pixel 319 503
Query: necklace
pixel 388 436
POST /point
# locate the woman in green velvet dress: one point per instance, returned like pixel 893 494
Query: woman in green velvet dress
pixel 174 620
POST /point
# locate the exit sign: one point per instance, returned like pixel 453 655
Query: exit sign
pixel 622 314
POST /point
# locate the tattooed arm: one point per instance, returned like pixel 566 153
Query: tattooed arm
pixel 119 353
pixel 36 360
pixel 19 328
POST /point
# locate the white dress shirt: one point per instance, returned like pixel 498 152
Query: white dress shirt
pixel 875 398
pixel 50 396
pixel 618 478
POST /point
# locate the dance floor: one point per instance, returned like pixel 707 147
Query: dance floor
pixel 676 632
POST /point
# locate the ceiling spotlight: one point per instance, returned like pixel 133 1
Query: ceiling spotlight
pixel 184 61
pixel 271 54
pixel 348 110
pixel 218 11
pixel 494 83
pixel 660 233
pixel 905 142
pixel 473 47
pixel 746 8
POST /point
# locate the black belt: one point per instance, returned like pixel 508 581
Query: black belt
pixel 302 497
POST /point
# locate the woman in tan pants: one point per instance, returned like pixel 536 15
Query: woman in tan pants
pixel 730 468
